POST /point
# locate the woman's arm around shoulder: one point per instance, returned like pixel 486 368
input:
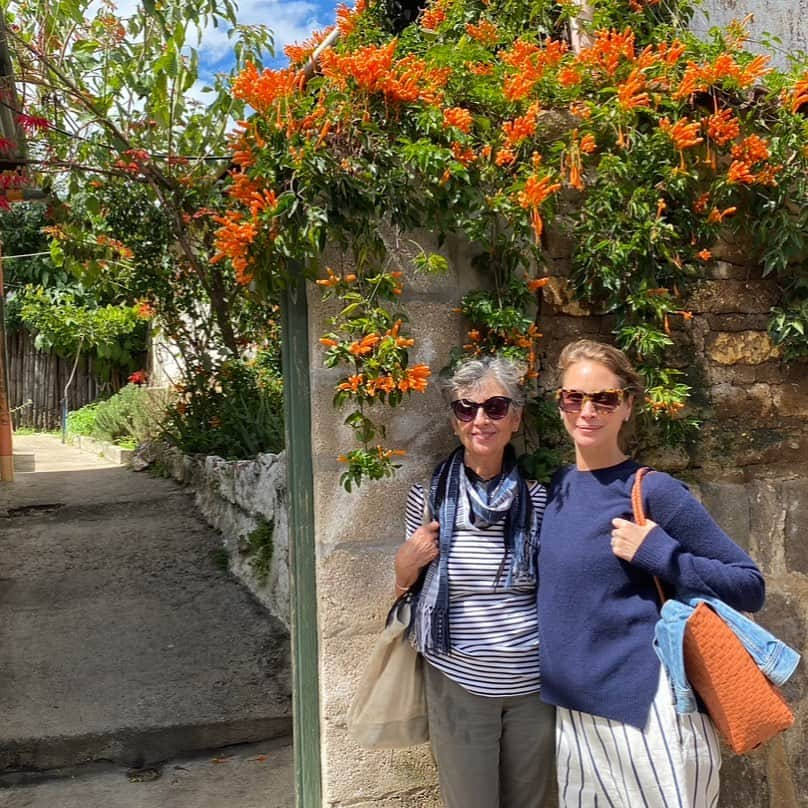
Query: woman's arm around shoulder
pixel 689 549
pixel 538 496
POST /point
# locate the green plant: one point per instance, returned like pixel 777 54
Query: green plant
pixel 788 328
pixel 133 414
pixel 82 421
pixel 367 339
pixel 28 430
pixel 128 418
pixel 70 321
pixel 261 547
pixel 235 411
pixel 220 558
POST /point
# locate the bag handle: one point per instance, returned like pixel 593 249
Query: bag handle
pixel 417 585
pixel 426 517
pixel 639 517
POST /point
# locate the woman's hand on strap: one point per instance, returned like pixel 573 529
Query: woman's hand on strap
pixel 416 553
pixel 628 536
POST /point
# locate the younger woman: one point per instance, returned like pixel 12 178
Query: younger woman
pixel 619 741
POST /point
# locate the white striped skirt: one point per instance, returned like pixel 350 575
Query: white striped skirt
pixel 673 763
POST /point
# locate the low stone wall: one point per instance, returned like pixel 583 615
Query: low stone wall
pixel 238 497
pixel 102 448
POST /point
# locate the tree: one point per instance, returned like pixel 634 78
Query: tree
pixel 138 160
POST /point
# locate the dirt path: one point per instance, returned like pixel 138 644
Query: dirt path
pixel 121 639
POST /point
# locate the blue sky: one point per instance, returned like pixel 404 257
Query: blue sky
pixel 289 20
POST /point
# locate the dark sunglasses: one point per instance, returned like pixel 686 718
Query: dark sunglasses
pixel 495 408
pixel 603 400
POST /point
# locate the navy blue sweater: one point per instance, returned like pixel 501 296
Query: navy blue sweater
pixel 597 612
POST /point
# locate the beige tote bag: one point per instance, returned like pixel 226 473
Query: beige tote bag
pixel 389 708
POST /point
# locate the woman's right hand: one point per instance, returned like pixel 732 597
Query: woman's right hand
pixel 416 553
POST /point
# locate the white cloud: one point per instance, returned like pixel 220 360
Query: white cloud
pixel 289 20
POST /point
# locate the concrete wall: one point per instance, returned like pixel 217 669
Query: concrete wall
pixel 785 19
pixel 750 465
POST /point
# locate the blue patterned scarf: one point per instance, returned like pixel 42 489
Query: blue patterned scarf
pixel 456 501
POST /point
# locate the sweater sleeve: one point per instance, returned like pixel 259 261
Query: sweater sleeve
pixel 691 552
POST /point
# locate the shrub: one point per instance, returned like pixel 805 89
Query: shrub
pixel 82 422
pixel 129 417
pixel 234 411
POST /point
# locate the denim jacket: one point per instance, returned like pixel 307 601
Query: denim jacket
pixel 776 660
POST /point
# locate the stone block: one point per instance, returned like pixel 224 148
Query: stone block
pixel 354 589
pixel 724 270
pixel 731 374
pixel 24 462
pixel 743 347
pixel 102 448
pixel 727 447
pixel 748 402
pixel 785 614
pixel 728 504
pixel 743 781
pixel 373 515
pixel 667 458
pixel 795 502
pixel 737 322
pixel 419 798
pixel 353 775
pixel 791 400
pixel 734 250
pixel 734 296
pixel 558 293
pixel 344 658
pixel 766 524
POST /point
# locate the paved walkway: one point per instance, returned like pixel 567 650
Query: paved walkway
pixel 121 639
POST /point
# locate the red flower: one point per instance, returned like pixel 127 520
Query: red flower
pixel 31 123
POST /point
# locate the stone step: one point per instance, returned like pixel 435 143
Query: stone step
pixel 257 775
pixel 137 746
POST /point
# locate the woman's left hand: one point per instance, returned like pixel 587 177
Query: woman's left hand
pixel 628 536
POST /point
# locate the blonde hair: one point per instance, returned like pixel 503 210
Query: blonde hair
pixel 607 355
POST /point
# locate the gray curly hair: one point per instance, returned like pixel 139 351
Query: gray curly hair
pixel 470 373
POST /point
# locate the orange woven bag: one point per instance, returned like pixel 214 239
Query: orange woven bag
pixel 745 706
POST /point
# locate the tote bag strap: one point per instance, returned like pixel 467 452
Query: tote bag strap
pixel 640 519
pixel 417 586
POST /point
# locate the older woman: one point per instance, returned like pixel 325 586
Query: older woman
pixel 476 618
pixel 619 741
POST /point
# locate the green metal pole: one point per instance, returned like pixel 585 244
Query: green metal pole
pixel 297 408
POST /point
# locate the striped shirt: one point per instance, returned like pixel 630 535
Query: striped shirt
pixel 494 629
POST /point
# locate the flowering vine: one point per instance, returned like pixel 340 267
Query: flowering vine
pixel 646 145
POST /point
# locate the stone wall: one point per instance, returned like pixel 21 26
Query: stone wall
pixel 749 465
pixel 357 535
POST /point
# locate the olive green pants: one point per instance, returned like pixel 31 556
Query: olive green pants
pixel 491 752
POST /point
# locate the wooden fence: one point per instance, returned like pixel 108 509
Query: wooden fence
pixel 37 380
